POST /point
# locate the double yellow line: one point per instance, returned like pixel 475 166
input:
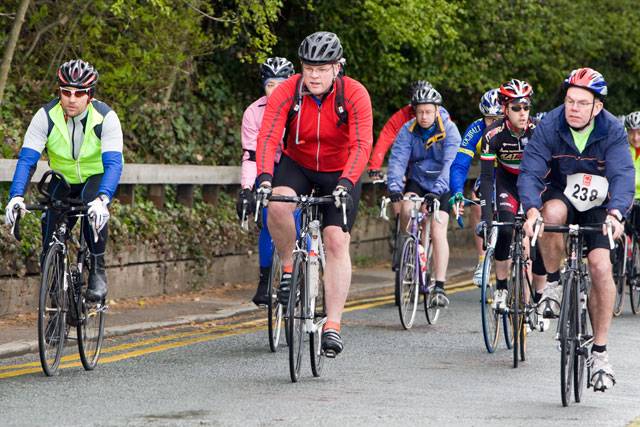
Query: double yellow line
pixel 168 342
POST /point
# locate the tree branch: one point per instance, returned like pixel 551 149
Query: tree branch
pixel 11 46
pixel 213 18
pixel 63 20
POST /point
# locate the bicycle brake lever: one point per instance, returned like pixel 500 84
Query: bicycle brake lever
pixel 612 243
pixel 383 208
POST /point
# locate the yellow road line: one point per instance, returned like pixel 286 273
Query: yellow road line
pixel 208 334
pixel 143 343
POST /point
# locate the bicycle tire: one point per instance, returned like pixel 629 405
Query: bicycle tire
pixel 274 309
pixel 52 300
pixel 618 277
pixel 431 311
pixel 90 332
pixel 295 312
pixel 315 338
pixel 565 333
pixel 507 320
pixel 490 318
pixel 516 311
pixel 409 283
pixel 582 353
pixel 634 276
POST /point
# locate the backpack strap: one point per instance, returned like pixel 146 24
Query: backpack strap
pixel 341 112
pixel 293 110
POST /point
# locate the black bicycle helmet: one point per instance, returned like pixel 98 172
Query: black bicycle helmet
pixel 77 73
pixel 320 48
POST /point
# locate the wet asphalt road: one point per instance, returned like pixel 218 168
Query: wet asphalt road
pixel 430 375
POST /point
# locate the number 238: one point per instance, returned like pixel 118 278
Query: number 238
pixel 582 193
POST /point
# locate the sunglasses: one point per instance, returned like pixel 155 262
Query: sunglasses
pixel 78 93
pixel 517 108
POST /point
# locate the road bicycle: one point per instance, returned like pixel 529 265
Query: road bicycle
pixel 305 314
pixel 573 332
pixel 415 273
pixel 65 271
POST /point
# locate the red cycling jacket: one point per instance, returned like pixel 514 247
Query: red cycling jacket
pixel 388 135
pixel 322 145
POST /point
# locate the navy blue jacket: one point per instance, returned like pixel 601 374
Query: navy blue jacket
pixel 551 156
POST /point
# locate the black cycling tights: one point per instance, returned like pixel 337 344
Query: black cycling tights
pixel 87 192
pixel 503 243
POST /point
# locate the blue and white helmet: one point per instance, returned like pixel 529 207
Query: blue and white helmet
pixel 490 104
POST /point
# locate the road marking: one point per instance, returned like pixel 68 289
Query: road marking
pixel 194 337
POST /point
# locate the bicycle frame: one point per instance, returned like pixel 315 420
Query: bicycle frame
pixel 310 244
pixel 576 266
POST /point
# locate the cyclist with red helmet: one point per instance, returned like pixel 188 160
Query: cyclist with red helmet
pixel 577 169
pixel 272 72
pixel 392 127
pixel 83 140
pixel 503 144
pixel 327 145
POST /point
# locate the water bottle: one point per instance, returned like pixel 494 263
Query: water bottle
pixel 314 261
pixel 423 262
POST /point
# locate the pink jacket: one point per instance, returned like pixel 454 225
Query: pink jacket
pixel 251 121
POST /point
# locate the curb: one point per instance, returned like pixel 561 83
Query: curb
pixel 19 348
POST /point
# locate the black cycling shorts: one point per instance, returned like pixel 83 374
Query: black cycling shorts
pixel 595 215
pixel 507 198
pixel 303 180
pixel 414 187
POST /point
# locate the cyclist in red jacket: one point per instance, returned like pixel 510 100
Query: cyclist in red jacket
pixel 328 123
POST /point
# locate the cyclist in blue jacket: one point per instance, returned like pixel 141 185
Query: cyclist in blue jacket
pixel 491 110
pixel 577 169
pixel 426 146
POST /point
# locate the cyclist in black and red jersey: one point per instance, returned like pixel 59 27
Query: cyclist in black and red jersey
pixel 327 145
pixel 502 148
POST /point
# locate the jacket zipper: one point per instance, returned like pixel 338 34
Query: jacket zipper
pixel 318 138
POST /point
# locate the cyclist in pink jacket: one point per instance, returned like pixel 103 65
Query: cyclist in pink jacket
pixel 272 72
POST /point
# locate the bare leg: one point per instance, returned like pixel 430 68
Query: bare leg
pixel 337 274
pixel 603 294
pixel 282 225
pixel 552 244
pixel 440 245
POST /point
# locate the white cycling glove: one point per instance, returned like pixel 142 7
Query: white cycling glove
pixel 98 213
pixel 11 211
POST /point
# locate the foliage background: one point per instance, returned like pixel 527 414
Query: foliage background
pixel 180 72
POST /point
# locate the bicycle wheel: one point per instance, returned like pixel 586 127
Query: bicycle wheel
pixel 431 310
pixel 274 309
pixel 490 317
pixel 315 338
pixel 634 276
pixel 565 334
pixel 618 256
pixel 51 311
pixel 90 332
pixel 582 353
pixel 295 311
pixel 409 283
pixel 90 327
pixel 516 311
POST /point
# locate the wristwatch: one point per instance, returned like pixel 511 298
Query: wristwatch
pixel 616 214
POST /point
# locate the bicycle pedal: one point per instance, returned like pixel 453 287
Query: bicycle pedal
pixel 330 354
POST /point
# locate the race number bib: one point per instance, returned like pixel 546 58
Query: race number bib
pixel 586 191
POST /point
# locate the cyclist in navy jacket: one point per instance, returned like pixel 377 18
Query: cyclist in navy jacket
pixel 577 169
